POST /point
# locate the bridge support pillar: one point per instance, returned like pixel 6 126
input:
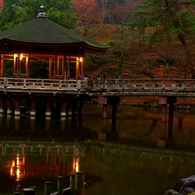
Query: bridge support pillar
pixel 17 108
pixel 80 109
pixel 115 101
pixel 2 106
pixel 164 101
pixel 48 108
pixel 69 113
pixel 75 107
pixel 63 109
pixel 9 106
pixel 33 108
pixel 171 101
pixel 104 102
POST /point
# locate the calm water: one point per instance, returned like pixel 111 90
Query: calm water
pixel 127 159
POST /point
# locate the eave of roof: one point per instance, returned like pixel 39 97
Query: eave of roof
pixel 44 31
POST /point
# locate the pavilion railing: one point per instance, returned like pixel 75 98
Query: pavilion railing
pixel 19 83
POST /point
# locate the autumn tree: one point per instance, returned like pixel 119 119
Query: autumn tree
pixel 170 20
pixel 86 13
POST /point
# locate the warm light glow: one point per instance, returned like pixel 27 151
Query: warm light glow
pixel 76 164
pixel 76 159
pixel 21 56
pixel 81 59
pixel 17 167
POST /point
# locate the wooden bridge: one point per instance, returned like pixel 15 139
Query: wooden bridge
pixel 101 86
pixel 71 94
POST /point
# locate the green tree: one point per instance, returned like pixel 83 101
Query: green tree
pixel 170 19
pixel 16 12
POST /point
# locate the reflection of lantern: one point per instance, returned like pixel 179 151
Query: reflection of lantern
pixel 17 167
pixel 76 159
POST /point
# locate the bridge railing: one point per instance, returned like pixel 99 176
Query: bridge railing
pixel 141 84
pixel 99 84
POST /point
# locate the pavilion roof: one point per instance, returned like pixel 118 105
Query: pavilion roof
pixel 41 30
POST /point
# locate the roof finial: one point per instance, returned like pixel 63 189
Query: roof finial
pixel 41 14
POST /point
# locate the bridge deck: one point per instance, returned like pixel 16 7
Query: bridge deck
pixel 107 87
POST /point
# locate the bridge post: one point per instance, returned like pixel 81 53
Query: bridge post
pixel 33 107
pixel 164 101
pixel 80 108
pixel 115 101
pixel 69 113
pixel 2 106
pixel 63 109
pixel 9 106
pixel 17 107
pixel 104 102
pixel 48 108
pixel 171 102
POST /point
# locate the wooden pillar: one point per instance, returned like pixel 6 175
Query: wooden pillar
pixel 64 67
pixel 80 108
pixel 75 107
pixel 1 65
pixel 47 188
pixel 69 113
pixel 50 68
pixel 72 183
pixel 2 106
pixel 115 101
pixel 54 67
pixel 80 179
pixel 9 106
pixel 77 68
pixel 17 107
pixel 171 101
pixel 82 66
pixel 163 102
pixel 48 108
pixel 68 67
pixel 60 185
pixel 63 109
pixel 104 102
pixel 33 107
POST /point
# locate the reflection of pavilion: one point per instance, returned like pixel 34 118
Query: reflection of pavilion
pixel 51 159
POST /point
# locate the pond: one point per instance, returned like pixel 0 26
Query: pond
pixel 137 156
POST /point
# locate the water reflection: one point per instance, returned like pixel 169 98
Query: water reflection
pixel 17 167
pixel 31 163
pixel 134 157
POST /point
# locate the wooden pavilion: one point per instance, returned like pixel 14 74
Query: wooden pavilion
pixel 58 53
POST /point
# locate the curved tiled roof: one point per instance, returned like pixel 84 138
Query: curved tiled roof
pixel 44 31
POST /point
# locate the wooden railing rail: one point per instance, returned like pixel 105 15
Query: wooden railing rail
pixel 42 84
pixel 99 84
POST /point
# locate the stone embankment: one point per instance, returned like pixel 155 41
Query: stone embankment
pixel 185 186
